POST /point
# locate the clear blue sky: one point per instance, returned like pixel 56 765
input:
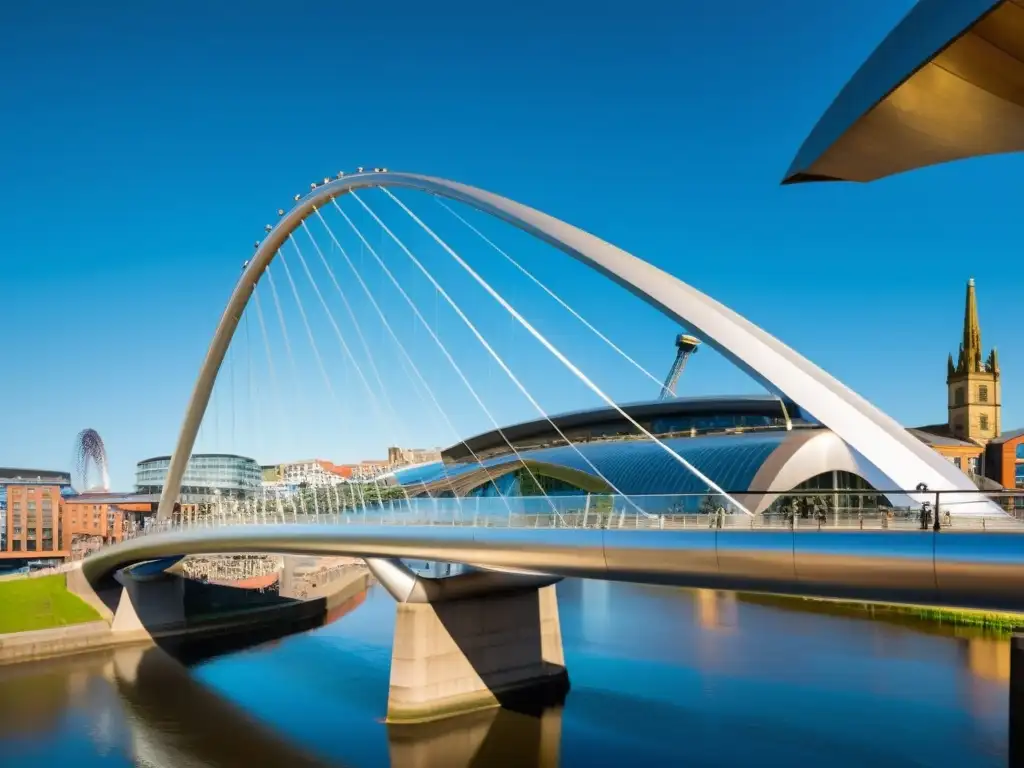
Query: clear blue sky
pixel 144 145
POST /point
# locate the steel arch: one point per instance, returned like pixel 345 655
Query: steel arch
pixel 904 459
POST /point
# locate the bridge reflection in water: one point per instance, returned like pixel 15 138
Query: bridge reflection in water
pixel 144 705
pixel 664 676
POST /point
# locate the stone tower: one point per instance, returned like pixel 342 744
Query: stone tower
pixel 975 400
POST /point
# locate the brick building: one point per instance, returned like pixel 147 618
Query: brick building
pixel 99 518
pixel 84 517
pixel 1004 459
pixel 30 513
pixel 42 518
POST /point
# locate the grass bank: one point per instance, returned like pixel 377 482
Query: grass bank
pixel 40 603
pixel 919 616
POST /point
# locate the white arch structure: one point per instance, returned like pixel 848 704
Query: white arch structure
pixel 805 454
pixel 881 440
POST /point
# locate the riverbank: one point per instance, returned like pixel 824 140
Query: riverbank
pixel 918 616
pixel 212 616
pixel 33 604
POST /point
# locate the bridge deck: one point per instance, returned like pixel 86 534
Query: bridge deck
pixel 965 568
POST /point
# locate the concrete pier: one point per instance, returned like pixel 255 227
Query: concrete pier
pixel 150 606
pixel 465 649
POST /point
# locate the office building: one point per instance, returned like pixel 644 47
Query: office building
pixel 209 477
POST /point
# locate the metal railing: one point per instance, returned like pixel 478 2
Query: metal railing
pixel 804 510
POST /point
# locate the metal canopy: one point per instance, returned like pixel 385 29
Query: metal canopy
pixel 947 83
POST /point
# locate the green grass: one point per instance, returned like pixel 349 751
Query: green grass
pixel 41 603
pixel 921 616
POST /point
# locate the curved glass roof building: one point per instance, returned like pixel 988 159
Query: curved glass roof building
pixel 752 448
pixel 634 467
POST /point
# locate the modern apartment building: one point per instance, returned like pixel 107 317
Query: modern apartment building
pixel 31 500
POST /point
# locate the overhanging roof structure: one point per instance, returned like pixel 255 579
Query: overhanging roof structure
pixel 543 431
pixel 755 466
pixel 946 84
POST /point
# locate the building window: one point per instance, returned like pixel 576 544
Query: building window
pixel 958 396
pixel 983 393
pixel 983 422
pixel 972 465
pixel 956 461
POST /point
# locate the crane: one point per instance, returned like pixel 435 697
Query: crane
pixel 685 346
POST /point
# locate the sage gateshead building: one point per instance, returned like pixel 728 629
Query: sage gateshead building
pixel 753 447
pixel 208 477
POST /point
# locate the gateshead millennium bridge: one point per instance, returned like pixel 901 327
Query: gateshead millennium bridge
pixel 466 641
pixel 516 559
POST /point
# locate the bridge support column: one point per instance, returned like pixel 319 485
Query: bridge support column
pixel 149 606
pixel 470 642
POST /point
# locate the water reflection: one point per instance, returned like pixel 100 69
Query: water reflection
pixel 481 739
pixel 716 611
pixel 177 721
pixel 660 676
pixel 988 658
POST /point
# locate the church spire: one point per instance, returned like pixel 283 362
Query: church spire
pixel 973 386
pixel 970 347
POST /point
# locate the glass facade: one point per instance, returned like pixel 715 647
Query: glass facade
pixel 713 422
pixel 208 476
pixel 637 467
pixel 858 496
pixel 641 467
pixel 523 483
pixel 675 417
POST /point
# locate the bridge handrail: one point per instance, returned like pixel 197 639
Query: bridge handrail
pixel 824 509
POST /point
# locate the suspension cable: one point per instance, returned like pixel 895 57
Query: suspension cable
pixel 552 294
pixel 274 387
pixel 554 351
pixel 316 354
pixel 443 349
pixel 401 348
pixel 394 419
pixel 288 350
pixel 497 358
pixel 405 357
pixel 345 348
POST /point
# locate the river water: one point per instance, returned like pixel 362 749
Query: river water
pixel 659 677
